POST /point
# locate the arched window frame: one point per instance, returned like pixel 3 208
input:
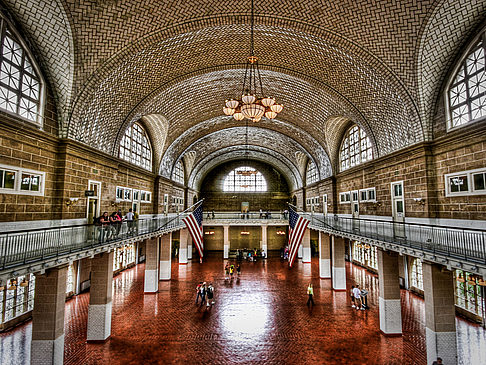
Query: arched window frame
pixel 355 148
pixel 311 174
pixel 28 87
pixel 241 183
pixel 417 274
pixel 136 150
pixel 178 174
pixel 465 95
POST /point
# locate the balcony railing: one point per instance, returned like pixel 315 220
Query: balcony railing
pixel 30 246
pixel 465 244
pixel 208 216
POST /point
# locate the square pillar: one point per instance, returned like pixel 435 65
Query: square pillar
pixel 165 256
pixel 151 283
pixel 226 242
pixel 100 303
pixel 189 247
pixel 338 263
pixel 389 300
pixel 264 241
pixel 48 317
pixel 306 248
pixel 184 235
pixel 324 255
pixel 440 316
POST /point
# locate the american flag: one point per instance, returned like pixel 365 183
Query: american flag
pixel 194 224
pixel 297 227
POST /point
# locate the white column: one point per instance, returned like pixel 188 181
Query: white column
pixel 389 299
pixel 300 252
pixel 189 247
pixel 165 257
pixel 226 242
pixel 264 241
pixel 324 255
pixel 184 235
pixel 338 263
pixel 151 282
pixel 306 249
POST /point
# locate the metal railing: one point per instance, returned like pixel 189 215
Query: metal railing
pixel 29 246
pixel 465 244
pixel 208 215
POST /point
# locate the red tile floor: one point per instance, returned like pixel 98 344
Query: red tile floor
pixel 260 319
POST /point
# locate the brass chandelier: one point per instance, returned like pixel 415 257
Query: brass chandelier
pixel 252 105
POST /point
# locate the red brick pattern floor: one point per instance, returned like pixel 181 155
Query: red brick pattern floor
pixel 260 319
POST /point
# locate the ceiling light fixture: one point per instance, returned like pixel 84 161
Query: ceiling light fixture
pixel 252 105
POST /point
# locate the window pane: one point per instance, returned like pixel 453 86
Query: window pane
pixel 479 180
pixel 9 180
pixel 458 184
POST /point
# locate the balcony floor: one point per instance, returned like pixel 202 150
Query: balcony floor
pixel 260 319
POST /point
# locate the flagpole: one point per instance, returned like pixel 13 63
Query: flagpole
pixel 185 211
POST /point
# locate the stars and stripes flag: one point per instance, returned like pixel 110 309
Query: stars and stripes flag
pixel 297 227
pixel 194 224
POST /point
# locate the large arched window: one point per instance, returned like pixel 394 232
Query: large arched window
pixel 21 89
pixel 417 276
pixel 135 147
pixel 244 179
pixel 467 92
pixel 355 148
pixel 178 174
pixel 311 174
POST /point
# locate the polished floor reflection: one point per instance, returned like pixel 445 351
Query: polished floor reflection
pixel 260 319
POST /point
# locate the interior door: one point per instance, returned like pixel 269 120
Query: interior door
pixel 398 209
pixel 93 208
pixel 355 209
pixel 324 204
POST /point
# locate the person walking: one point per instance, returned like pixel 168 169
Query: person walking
pixel 238 270
pixel 310 292
pixel 232 270
pixel 203 291
pixel 357 297
pixel 198 291
pixel 352 297
pixel 210 295
pixel 226 271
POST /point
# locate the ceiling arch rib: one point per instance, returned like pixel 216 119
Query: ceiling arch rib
pixel 369 91
pixel 305 141
pixel 232 153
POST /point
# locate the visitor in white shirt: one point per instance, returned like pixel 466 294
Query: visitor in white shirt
pixel 357 297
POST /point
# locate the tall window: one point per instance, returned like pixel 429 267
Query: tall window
pixel 468 293
pixel 417 277
pixel 467 93
pixel 135 147
pixel 20 85
pixel 311 174
pixel 178 174
pixel 244 179
pixel 355 148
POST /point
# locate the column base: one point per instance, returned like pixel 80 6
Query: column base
pixel 151 284
pixel 183 256
pixel 99 322
pixel 189 252
pixel 164 273
pixel 441 344
pixel 306 255
pixel 325 268
pixel 339 278
pixel 47 352
pixel 390 316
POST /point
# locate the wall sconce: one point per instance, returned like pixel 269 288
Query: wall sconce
pixel 114 204
pixel 71 201
pixel 281 233
pixel 420 201
pixel 209 232
pixel 376 204
pixel 244 233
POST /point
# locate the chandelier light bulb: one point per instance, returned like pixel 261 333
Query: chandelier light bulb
pixel 256 120
pixel 252 111
pixel 267 101
pixel 228 111
pixel 238 116
pixel 270 114
pixel 248 99
pixel 232 103
pixel 277 108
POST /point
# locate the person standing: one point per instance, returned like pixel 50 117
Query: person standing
pixel 232 270
pixel 438 361
pixel 357 297
pixel 238 270
pixel 129 217
pixel 352 297
pixel 226 271
pixel 198 291
pixel 202 291
pixel 210 295
pixel 310 292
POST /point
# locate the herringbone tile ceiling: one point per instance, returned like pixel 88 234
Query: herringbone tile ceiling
pixel 379 63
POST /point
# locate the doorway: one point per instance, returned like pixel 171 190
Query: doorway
pixel 324 205
pixel 355 209
pixel 398 209
pixel 93 207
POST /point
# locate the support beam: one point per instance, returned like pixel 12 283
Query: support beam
pixel 165 257
pixel 100 297
pixel 338 263
pixel 48 317
pixel 440 317
pixel 324 255
pixel 226 242
pixel 151 284
pixel 306 248
pixel 389 300
pixel 184 236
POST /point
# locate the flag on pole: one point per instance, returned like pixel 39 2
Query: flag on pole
pixel 194 224
pixel 297 227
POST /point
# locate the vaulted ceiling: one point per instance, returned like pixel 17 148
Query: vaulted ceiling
pixel 171 64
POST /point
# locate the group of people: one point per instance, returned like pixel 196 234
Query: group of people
pixel 229 271
pixel 359 298
pixel 206 293
pixel 250 255
pixel 110 225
